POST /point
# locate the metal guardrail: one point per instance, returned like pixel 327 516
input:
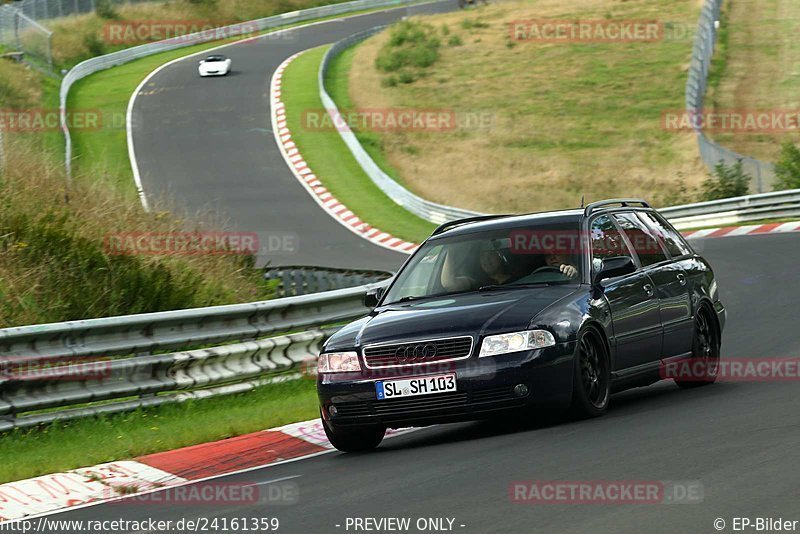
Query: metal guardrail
pixel 712 153
pixel 96 64
pixel 430 211
pixel 304 280
pixel 54 371
pixel 729 211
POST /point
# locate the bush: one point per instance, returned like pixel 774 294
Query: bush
pixel 95 45
pixel 455 40
pixel 105 9
pixel 726 182
pixel 469 24
pixel 787 169
pixel 412 47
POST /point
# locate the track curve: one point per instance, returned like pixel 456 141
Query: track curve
pixel 206 145
pixel 739 440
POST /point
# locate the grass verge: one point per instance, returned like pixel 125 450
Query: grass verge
pixel 345 180
pixel 85 442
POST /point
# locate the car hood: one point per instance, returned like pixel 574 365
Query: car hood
pixel 466 314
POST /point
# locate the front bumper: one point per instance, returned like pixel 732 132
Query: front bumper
pixel 484 387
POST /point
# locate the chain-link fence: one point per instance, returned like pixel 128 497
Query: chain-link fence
pixel 763 173
pixel 50 9
pixel 18 31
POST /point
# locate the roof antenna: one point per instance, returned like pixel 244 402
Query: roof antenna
pixel 582 201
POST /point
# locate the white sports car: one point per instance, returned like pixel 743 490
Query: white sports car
pixel 215 65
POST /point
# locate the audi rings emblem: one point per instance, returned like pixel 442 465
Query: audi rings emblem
pixel 412 353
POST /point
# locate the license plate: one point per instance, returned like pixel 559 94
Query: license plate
pixel 411 387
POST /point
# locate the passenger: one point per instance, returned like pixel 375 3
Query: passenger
pixel 493 263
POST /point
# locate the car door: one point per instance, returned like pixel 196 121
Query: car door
pixel 676 279
pixel 668 277
pixel 631 299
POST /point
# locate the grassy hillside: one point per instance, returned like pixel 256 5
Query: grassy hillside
pixel 53 261
pixel 560 120
pixel 757 69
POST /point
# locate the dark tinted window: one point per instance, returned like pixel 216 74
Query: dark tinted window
pixel 643 239
pixel 606 241
pixel 669 237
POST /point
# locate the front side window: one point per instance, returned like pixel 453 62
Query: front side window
pixel 606 241
pixel 643 239
pixel 511 257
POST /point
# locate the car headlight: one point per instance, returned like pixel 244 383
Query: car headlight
pixel 338 362
pixel 515 342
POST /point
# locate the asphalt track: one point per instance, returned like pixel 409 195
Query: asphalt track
pixel 205 145
pixel 738 439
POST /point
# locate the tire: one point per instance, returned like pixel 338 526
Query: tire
pixel 591 386
pixel 705 351
pixel 354 438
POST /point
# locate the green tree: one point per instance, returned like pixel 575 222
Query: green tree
pixel 787 170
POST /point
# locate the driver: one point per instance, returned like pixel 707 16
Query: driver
pixel 561 262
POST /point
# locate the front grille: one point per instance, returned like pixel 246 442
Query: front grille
pixel 423 405
pixel 418 352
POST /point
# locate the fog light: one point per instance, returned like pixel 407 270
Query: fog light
pixel 332 410
pixel 520 390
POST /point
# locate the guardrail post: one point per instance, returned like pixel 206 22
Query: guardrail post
pixel 2 154
pixel 50 51
pixel 17 41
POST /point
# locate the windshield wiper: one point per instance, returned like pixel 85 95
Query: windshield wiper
pixel 408 298
pixel 494 287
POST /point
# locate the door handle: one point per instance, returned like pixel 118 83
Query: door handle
pixel 648 289
pixel 682 279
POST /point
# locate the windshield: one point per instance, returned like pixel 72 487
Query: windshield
pixel 491 260
pixel 214 59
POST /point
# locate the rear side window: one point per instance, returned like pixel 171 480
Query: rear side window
pixel 670 238
pixel 606 241
pixel 644 240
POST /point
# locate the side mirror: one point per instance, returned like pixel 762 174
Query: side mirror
pixel 613 267
pixel 372 297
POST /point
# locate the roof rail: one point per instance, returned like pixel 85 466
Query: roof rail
pixel 458 222
pixel 623 202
